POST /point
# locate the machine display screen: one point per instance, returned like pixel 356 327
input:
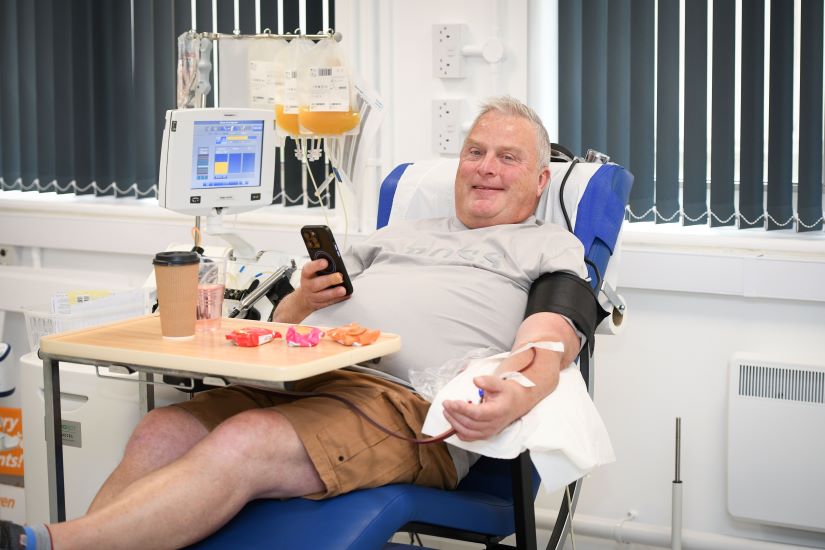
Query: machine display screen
pixel 227 153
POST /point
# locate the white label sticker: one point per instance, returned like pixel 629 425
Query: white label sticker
pixel 262 82
pixel 329 89
pixel 291 92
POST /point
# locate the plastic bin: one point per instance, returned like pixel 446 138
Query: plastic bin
pixel 41 323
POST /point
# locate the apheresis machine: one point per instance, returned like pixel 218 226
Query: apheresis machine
pixel 214 162
pixel 221 161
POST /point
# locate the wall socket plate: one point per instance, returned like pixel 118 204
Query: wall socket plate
pixel 447 117
pixel 8 255
pixel 447 56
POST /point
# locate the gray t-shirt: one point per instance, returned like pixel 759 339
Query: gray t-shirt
pixel 447 289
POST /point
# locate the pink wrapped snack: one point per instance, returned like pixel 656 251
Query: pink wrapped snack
pixel 303 337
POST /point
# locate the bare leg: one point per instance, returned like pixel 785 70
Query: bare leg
pixel 163 435
pixel 251 455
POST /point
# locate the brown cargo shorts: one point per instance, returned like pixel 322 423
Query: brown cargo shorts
pixel 347 451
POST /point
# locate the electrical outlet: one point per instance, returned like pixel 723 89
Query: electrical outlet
pixel 447 126
pixel 8 255
pixel 447 42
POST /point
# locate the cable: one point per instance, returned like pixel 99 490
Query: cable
pixel 570 511
pixel 561 151
pixel 589 262
pixel 357 410
pixel 196 236
pixel 561 194
pixel 324 209
pixel 304 146
pixel 570 225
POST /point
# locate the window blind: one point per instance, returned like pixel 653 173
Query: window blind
pixel 86 85
pixel 674 84
pixel 82 95
pixel 751 196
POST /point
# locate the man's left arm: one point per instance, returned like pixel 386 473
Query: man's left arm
pixel 507 400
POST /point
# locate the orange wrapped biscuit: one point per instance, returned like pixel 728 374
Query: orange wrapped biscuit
pixel 354 334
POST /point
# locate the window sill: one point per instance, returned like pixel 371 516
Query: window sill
pixel 147 209
pixel 130 225
pixel 667 257
pixel 643 235
pixel 780 265
pixel 724 240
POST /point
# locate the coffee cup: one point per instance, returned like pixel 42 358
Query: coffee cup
pixel 176 276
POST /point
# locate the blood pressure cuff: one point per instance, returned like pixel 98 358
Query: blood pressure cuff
pixel 569 295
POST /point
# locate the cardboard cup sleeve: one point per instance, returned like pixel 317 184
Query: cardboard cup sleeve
pixel 177 284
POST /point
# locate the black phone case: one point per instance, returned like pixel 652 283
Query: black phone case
pixel 320 243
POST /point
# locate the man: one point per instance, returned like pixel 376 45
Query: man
pixel 447 286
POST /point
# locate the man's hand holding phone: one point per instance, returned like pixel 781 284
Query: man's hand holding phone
pixel 320 243
pixel 324 279
pixel 316 292
pixel 321 290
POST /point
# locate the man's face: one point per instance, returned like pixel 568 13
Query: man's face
pixel 498 179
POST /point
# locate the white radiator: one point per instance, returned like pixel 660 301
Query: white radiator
pixel 776 442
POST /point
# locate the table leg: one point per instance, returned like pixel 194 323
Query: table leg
pixel 54 440
pixel 147 392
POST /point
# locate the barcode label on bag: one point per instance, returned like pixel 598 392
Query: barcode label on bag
pixel 329 89
pixel 291 92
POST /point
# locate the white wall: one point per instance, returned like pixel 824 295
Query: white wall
pixel 694 297
pixel 396 55
pixel 672 360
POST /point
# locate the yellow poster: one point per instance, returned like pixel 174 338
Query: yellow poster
pixel 11 442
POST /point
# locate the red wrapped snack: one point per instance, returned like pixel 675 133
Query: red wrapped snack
pixel 252 336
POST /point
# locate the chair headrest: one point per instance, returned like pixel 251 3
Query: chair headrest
pixel 425 189
pixel 591 191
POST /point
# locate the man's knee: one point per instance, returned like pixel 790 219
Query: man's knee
pixel 168 428
pixel 255 434
pixel 267 456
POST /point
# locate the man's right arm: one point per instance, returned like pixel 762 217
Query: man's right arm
pixel 313 294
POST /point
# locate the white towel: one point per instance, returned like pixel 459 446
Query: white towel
pixel 564 432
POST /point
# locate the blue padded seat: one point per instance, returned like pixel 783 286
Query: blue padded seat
pixel 367 519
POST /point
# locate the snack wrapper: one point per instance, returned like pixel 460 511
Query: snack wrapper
pixel 252 336
pixel 303 337
pixel 354 334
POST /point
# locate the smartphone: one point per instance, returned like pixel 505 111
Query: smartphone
pixel 321 244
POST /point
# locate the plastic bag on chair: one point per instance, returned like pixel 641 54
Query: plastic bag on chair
pixel 564 433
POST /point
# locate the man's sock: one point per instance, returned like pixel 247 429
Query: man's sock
pixel 38 537
pixel 10 535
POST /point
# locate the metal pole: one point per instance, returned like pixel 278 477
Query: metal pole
pixel 280 16
pixel 146 391
pixel 237 30
pixel 676 505
pixel 54 440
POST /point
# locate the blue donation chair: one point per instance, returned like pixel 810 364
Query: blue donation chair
pixel 496 498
